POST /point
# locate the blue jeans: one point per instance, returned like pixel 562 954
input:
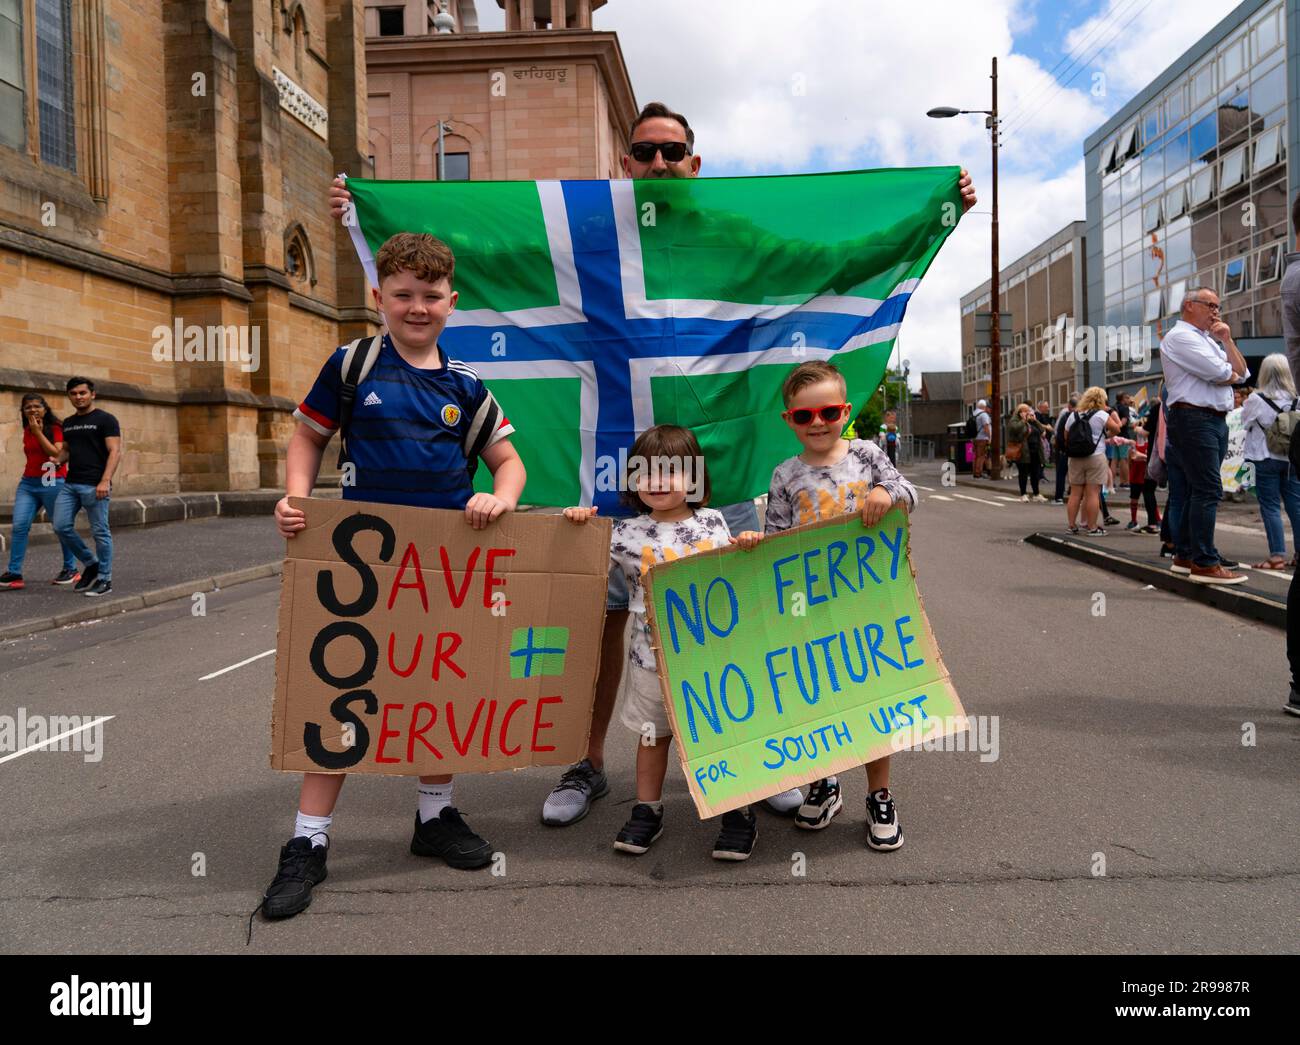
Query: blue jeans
pixel 72 498
pixel 1275 486
pixel 1196 445
pixel 31 495
pixel 740 516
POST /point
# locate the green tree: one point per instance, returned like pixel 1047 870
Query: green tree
pixel 871 415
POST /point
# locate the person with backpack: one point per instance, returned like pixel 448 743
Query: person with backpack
pixel 1058 449
pixel 413 424
pixel 1269 416
pixel 979 427
pixel 1086 429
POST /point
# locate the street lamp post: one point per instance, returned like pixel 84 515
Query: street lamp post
pixel 995 337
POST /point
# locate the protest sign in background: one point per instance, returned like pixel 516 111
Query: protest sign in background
pixel 805 656
pixel 411 644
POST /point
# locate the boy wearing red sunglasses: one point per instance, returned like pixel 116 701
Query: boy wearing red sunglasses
pixel 833 476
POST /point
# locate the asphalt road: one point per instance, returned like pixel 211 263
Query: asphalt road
pixel 1119 735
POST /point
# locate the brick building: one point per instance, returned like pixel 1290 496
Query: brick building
pixel 162 180
pixel 547 98
pixel 163 170
pixel 1041 289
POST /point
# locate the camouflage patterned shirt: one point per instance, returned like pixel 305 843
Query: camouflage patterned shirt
pixel 803 493
pixel 640 542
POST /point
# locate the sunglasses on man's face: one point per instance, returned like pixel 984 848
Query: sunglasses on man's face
pixel 673 152
pixel 829 413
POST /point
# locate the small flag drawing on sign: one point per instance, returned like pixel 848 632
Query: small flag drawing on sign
pixel 537 651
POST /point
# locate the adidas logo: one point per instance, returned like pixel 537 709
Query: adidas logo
pixel 372 400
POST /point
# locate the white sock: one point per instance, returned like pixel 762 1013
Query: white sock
pixel 832 780
pixel 317 828
pixel 434 798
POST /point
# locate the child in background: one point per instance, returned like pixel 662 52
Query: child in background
pixel 671 474
pixel 833 477
pixel 1138 486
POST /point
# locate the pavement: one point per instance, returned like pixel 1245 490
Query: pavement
pixel 1140 798
pixel 1239 535
pixel 150 564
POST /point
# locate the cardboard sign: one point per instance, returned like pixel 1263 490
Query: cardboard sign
pixel 806 656
pixel 411 644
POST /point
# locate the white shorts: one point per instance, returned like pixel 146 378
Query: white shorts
pixel 643 703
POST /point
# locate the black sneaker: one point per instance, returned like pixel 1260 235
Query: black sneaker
pixel 883 830
pixel 641 830
pixel 450 839
pixel 12 580
pixel 736 839
pixel 1111 521
pixel 571 798
pixel 820 807
pixel 67 577
pixel 302 865
pixel 88 575
pixel 100 587
pixel 1292 706
pixel 1228 564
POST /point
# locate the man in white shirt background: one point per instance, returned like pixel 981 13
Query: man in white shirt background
pixel 1201 364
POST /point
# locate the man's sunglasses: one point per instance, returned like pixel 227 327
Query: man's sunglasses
pixel 829 413
pixel 673 152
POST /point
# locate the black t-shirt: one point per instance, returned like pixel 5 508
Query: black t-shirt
pixel 1125 429
pixel 85 436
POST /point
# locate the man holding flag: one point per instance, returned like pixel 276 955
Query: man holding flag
pixel 661 145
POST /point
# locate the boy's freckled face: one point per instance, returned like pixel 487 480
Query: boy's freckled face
pixel 818 435
pixel 415 309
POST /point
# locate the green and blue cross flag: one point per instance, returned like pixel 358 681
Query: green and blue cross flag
pixel 595 309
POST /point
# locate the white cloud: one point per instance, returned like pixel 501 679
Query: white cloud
pixel 779 86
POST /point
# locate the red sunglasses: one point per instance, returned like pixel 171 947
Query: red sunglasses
pixel 829 413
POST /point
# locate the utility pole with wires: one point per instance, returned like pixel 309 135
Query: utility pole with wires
pixel 995 337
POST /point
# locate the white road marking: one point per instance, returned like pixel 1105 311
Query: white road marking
pixel 938 497
pixel 55 740
pixel 979 500
pixel 234 666
pixel 930 489
pixel 1267 573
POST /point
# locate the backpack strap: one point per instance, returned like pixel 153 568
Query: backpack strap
pixel 1277 412
pixel 358 361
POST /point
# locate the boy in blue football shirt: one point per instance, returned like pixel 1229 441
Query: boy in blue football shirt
pixel 419 424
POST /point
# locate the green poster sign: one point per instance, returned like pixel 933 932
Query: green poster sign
pixel 806 656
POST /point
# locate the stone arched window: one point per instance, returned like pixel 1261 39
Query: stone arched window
pixel 299 265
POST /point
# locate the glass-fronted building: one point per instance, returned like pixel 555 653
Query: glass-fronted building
pixel 1189 184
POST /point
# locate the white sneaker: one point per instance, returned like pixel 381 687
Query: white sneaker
pixel 1024 498
pixel 823 803
pixel 883 830
pixel 787 803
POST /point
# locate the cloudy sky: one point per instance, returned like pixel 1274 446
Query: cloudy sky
pixel 776 86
